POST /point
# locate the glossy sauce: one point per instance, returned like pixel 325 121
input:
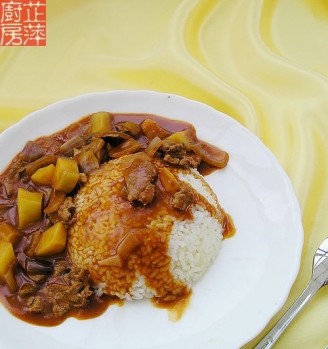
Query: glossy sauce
pixel 175 308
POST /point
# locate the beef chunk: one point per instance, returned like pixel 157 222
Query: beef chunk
pixel 73 293
pixel 61 267
pixel 7 188
pixel 33 242
pixel 35 304
pixel 65 213
pixel 172 147
pixel 66 210
pixel 38 278
pixel 53 216
pixel 183 198
pixel 67 288
pixel 27 289
pixel 191 160
pixel 176 154
pixel 139 179
pixel 83 178
pixel 37 270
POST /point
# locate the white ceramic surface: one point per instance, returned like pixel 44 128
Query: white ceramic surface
pixel 251 277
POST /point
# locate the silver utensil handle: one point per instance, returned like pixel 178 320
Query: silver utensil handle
pixel 269 340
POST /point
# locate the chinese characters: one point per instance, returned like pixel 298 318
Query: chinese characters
pixel 22 22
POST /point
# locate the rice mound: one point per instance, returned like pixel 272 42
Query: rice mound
pixel 176 249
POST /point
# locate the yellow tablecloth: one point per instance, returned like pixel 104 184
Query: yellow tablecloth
pixel 263 62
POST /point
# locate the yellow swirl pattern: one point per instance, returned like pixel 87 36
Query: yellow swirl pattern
pixel 263 62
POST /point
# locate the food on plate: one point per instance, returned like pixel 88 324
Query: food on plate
pixel 112 207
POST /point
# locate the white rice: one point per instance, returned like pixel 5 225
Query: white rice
pixel 193 245
pixel 140 290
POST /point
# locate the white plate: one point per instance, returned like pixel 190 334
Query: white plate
pixel 249 281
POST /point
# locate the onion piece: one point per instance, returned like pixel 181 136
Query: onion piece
pixel 152 129
pixel 56 199
pixel 210 154
pixel 32 151
pixel 114 137
pixel 87 161
pixel 112 261
pixel 97 147
pixel 128 160
pixel 41 162
pixel 73 143
pixel 153 146
pixel 33 266
pixel 127 245
pixel 168 180
pixel 129 146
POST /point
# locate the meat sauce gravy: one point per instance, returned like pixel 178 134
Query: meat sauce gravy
pixel 54 274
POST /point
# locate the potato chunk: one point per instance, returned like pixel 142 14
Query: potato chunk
pixel 29 207
pixel 101 122
pixel 52 241
pixel 66 175
pixel 7 263
pixel 8 232
pixel 43 175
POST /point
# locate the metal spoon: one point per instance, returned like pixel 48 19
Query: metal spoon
pixel 319 278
